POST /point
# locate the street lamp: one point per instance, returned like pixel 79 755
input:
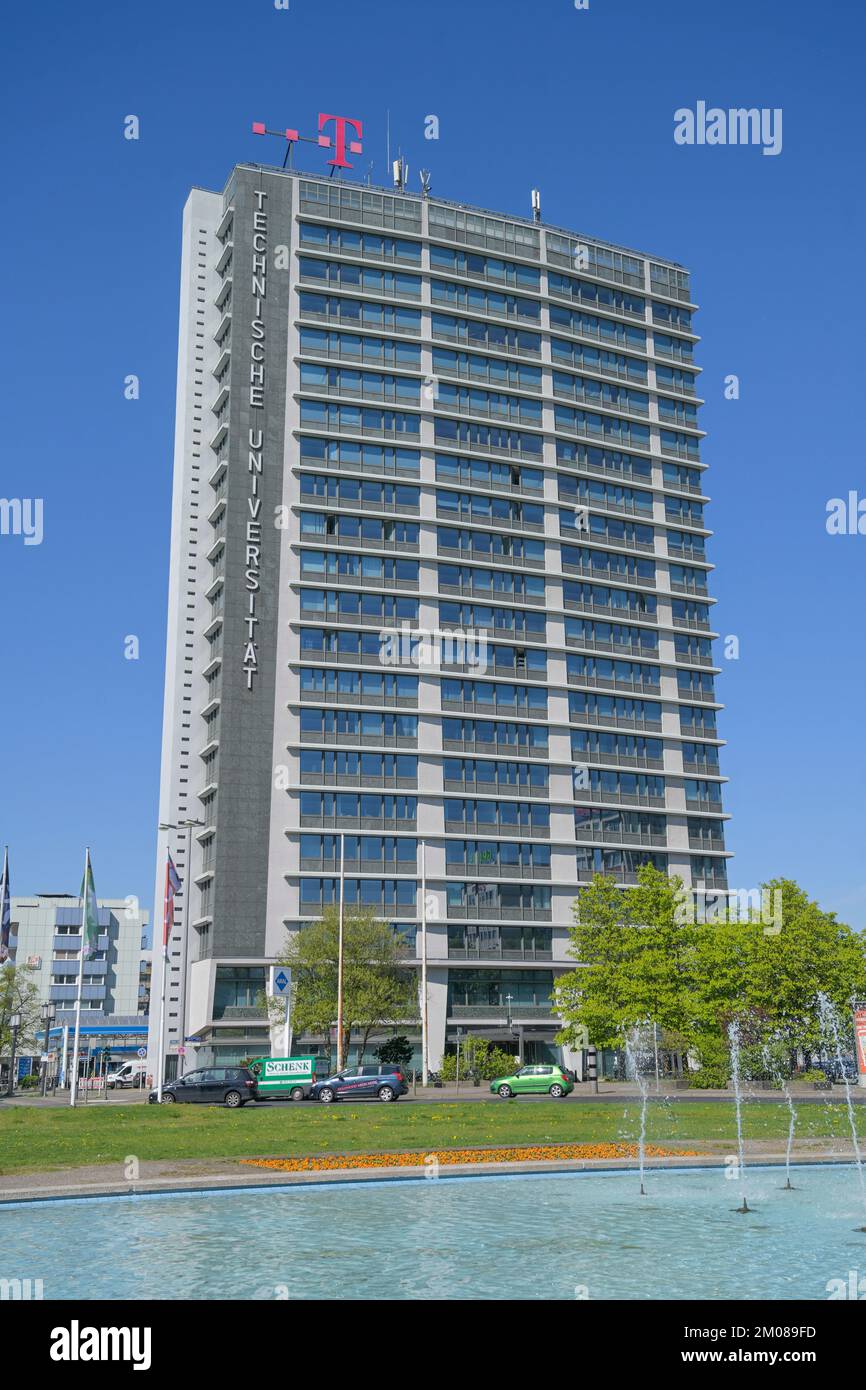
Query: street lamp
pixel 47 1012
pixel 14 1024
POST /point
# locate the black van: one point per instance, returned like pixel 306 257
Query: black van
pixel 231 1086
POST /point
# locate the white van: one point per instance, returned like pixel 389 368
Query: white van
pixel 130 1074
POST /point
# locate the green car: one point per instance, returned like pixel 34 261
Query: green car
pixel 535 1081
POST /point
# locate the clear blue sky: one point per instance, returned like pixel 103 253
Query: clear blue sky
pixel 579 104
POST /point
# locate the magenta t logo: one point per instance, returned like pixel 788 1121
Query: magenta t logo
pixel 341 122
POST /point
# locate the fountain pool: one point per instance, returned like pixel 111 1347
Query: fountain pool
pixel 537 1236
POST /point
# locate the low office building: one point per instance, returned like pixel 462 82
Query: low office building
pixel 46 938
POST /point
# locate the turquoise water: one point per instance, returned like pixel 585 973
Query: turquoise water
pixel 561 1236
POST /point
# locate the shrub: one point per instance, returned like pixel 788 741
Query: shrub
pixel 710 1078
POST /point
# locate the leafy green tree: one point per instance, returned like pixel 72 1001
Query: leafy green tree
pixel 18 995
pixel 635 953
pixel 771 973
pixel 379 988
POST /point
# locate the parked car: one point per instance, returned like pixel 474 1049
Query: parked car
pixel 356 1083
pixel 231 1086
pixel 130 1074
pixel 534 1080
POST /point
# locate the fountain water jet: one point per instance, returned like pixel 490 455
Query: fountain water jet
pixel 632 1044
pixel 831 1022
pixel 792 1122
pixel 734 1039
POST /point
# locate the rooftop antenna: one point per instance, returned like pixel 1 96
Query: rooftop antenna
pixel 369 178
pixel 536 205
pixel 424 175
pixel 401 173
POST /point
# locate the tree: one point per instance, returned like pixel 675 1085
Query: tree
pixel 642 957
pixel 395 1052
pixel 635 961
pixel 18 995
pixel 742 968
pixel 378 987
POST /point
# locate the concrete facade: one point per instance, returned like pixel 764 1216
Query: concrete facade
pixel 397 415
pixel 46 937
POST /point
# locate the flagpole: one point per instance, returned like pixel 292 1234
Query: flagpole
pixel 424 1041
pixel 5 925
pixel 73 1084
pixel 160 1062
pixel 340 957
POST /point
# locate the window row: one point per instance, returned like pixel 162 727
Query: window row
pixel 328 416
pixel 317 564
pixel 494 370
pixel 373 458
pixel 499 693
pixel 390 352
pixel 317 525
pixel 325 723
pixel 352 492
pixel 362 313
pixel 357 685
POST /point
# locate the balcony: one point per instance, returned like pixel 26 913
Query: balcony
pixel 499 1013
pixel 331 865
pixel 452 552
pixel 362 543
pixel 477 745
pixel 592 644
pixel 607 610
pixel 489 594
pixel 607 576
pixel 489 710
pixel 358 740
pixel 526 953
pixel 627 687
pixel 354 697
pixel 615 721
pixel 643 838
pixel 333 822
pixel 488 912
pixel 638 760
pixel 474 788
pixel 454 869
pixel 592 537
pixel 597 795
pixel 357 779
pixel 474 831
pixel 359 581
pixel 501 523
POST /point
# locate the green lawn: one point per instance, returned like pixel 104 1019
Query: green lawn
pixel 46 1138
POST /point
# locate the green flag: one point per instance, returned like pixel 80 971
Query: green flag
pixel 89 913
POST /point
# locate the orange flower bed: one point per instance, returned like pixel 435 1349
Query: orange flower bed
pixel 535 1153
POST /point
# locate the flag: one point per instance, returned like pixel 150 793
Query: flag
pixel 5 910
pixel 89 913
pixel 172 886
